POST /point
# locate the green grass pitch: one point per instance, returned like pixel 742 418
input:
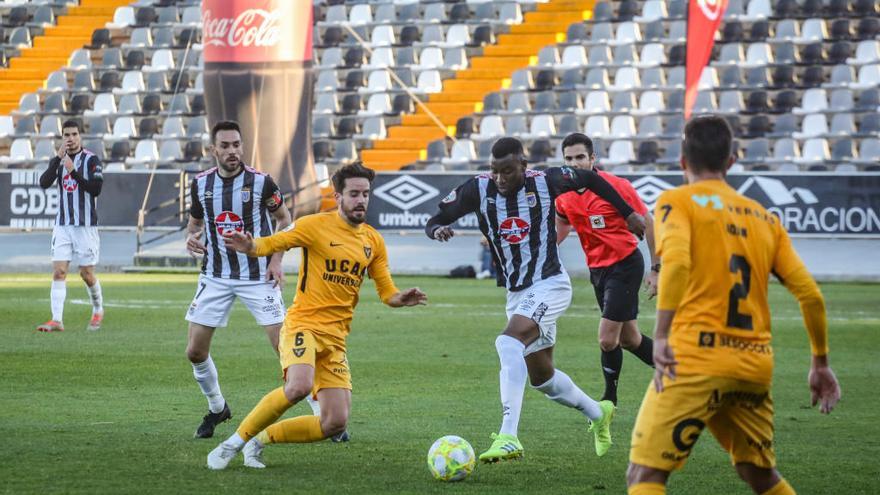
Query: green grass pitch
pixel 114 411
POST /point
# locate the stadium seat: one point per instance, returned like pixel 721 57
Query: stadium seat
pixel 813 125
pixel 620 153
pixel 462 151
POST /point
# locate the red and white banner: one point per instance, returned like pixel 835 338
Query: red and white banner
pixel 704 16
pixel 257 30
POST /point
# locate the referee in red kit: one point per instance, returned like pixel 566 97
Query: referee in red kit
pixel 615 262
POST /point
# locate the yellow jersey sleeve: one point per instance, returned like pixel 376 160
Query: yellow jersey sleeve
pixel 672 228
pixel 379 271
pixel 791 271
pixel 297 234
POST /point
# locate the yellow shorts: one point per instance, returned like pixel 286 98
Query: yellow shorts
pixel 323 352
pixel 738 413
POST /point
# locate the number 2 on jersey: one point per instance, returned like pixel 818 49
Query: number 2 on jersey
pixel 735 319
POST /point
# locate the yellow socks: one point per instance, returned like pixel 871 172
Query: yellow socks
pixel 302 429
pixel 266 412
pixel 781 488
pixel 647 489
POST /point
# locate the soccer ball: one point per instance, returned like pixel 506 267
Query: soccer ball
pixel 451 458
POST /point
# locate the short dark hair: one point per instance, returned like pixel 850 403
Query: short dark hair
pixel 224 125
pixel 72 123
pixel 707 143
pixel 578 138
pixel 355 170
pixel 507 146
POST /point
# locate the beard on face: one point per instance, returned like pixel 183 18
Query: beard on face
pixel 357 214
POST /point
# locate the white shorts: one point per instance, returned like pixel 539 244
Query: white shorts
pixel 71 242
pixel 214 297
pixel 544 302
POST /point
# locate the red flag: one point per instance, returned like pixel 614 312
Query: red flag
pixel 704 16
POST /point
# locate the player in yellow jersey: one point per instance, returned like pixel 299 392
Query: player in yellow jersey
pixel 339 249
pixel 712 350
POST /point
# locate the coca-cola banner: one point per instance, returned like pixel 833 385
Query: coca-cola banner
pixel 26 205
pixel 815 204
pixel 257 30
pixel 704 16
pixel 258 72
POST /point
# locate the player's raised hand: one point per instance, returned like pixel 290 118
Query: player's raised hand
pixel 664 363
pixel 242 242
pixel 194 246
pixel 444 233
pixel 62 150
pixel 824 388
pixel 68 163
pixel 408 297
pixel 275 274
pixel 636 224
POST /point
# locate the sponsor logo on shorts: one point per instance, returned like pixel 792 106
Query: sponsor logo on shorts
pixel 299 351
pixel 686 433
pixel 732 342
pixel 192 308
pixel 738 398
pixel 707 339
pixel 760 444
pixel 539 312
pixel 597 221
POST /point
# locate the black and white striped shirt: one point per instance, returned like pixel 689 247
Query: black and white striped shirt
pixel 243 203
pixel 521 226
pixel 78 190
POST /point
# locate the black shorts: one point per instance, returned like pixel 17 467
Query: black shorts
pixel 617 287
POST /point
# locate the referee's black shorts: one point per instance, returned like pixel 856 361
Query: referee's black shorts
pixel 617 287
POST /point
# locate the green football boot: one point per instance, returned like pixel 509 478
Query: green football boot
pixel 602 428
pixel 503 448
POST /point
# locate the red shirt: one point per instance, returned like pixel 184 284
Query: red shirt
pixel 599 226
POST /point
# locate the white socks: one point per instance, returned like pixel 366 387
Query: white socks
pixel 314 404
pixel 562 390
pixel 235 441
pixel 57 296
pixel 96 297
pixel 206 376
pixel 512 378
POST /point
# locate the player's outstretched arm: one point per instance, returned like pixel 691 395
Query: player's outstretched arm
pixel 563 228
pixel 458 203
pixel 408 297
pixel 569 179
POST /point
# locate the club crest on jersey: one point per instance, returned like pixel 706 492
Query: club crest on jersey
pixel 597 221
pixel 245 194
pixel 368 251
pixel 531 199
pixel 514 230
pixel 567 172
pixel 69 183
pixel 228 221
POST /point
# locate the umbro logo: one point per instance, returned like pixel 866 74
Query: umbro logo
pixel 335 244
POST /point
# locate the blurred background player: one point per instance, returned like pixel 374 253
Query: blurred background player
pixel 77 172
pixel 515 209
pixel 712 350
pixel 613 256
pixel 339 249
pixel 230 197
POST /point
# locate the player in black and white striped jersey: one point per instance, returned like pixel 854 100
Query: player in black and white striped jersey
pixel 78 175
pixel 230 197
pixel 516 213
